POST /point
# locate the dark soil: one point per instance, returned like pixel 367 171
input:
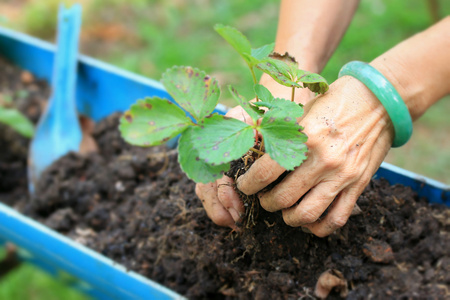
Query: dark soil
pixel 135 206
pixel 28 95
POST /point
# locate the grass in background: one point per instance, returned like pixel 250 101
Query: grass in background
pixel 29 283
pixel 149 36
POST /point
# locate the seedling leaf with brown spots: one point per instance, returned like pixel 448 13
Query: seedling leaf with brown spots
pixel 288 74
pixel 283 108
pixel 208 145
pixel 153 121
pixel 191 164
pixel 283 139
pixel 220 139
pixel 193 90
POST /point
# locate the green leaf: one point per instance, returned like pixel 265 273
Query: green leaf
pixel 282 109
pixel 17 121
pixel 191 164
pixel 263 93
pixel 313 81
pixel 220 139
pixel 236 39
pixel 241 44
pixel 279 71
pixel 193 90
pixel 262 52
pixel 283 141
pixel 289 75
pixel 153 121
pixel 250 109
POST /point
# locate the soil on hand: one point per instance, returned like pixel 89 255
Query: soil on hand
pixel 135 206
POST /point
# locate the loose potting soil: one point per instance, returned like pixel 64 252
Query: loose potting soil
pixel 135 206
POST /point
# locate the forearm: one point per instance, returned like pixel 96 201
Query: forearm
pixel 311 30
pixel 419 67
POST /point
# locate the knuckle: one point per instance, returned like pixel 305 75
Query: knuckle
pixel 337 222
pixel 331 162
pixel 304 217
pixel 313 142
pixel 351 172
pixel 365 179
pixel 265 175
pixel 285 198
pixel 309 216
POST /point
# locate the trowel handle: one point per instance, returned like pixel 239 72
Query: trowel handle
pixel 64 70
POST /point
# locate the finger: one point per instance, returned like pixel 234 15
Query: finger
pixel 263 172
pixel 229 198
pixel 342 207
pixel 313 205
pixel 292 188
pixel 214 209
pixel 338 214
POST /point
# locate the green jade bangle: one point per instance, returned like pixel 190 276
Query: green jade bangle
pixel 386 94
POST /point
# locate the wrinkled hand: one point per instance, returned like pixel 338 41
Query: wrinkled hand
pixel 349 134
pixel 220 200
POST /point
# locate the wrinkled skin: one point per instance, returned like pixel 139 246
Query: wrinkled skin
pixel 349 134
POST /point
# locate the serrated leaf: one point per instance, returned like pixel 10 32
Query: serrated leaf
pixel 236 39
pixel 220 139
pixel 17 121
pixel 254 114
pixel 287 73
pixel 242 45
pixel 262 52
pixel 284 142
pixel 262 92
pixel 279 71
pixel 193 90
pixel 282 109
pixel 153 121
pixel 191 164
pixel 286 57
pixel 313 81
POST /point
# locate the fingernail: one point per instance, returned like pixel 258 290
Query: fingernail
pixel 234 214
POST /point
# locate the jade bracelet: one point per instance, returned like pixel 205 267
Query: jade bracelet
pixel 386 94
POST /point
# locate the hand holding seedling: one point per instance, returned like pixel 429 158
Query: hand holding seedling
pixel 210 142
pixel 344 151
pixel 350 133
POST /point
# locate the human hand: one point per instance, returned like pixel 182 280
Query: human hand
pixel 219 198
pixel 349 134
pixel 221 202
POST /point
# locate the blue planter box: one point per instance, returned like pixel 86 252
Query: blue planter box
pixel 101 90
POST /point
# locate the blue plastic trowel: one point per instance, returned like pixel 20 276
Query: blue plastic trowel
pixel 58 131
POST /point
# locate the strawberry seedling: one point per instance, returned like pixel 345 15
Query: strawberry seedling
pixel 209 141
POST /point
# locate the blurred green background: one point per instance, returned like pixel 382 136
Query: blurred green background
pixel 149 36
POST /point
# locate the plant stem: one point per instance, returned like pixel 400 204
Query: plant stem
pixel 254 79
pixel 260 153
pixel 292 94
pixel 253 74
